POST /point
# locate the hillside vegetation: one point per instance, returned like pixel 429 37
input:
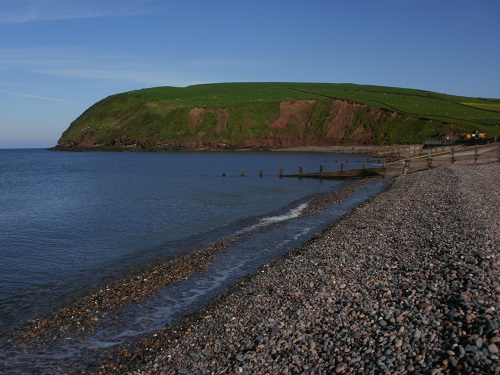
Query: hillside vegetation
pixel 268 115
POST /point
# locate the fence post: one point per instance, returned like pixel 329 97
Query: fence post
pixel 475 155
pixel 429 160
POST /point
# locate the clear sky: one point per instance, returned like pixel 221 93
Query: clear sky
pixel 58 57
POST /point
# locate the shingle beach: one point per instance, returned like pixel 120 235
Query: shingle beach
pixel 405 283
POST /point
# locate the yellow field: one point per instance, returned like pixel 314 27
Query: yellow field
pixel 489 107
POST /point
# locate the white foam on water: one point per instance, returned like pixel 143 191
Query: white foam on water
pixel 293 213
pixel 270 220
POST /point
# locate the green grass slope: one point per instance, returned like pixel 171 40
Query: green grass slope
pixel 241 113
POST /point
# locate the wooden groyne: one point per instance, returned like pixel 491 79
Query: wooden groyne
pixel 340 175
pixel 412 159
pixel 337 174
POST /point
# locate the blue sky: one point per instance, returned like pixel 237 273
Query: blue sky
pixel 58 57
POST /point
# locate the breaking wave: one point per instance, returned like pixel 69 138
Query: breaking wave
pixel 270 220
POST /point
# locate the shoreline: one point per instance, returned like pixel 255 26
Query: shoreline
pixel 84 313
pixel 304 300
pixel 394 286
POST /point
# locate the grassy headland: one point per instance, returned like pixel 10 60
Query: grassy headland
pixel 239 115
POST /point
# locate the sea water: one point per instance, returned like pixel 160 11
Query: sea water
pixel 72 221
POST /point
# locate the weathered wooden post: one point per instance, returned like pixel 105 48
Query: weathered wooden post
pixel 429 160
pixel 475 154
pixel 452 154
pixel 406 169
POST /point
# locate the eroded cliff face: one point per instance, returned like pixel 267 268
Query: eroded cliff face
pixel 294 113
pixel 296 123
pixel 344 123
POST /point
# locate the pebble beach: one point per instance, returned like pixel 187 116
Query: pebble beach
pixel 405 283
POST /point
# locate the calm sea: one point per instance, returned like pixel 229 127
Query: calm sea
pixel 72 221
